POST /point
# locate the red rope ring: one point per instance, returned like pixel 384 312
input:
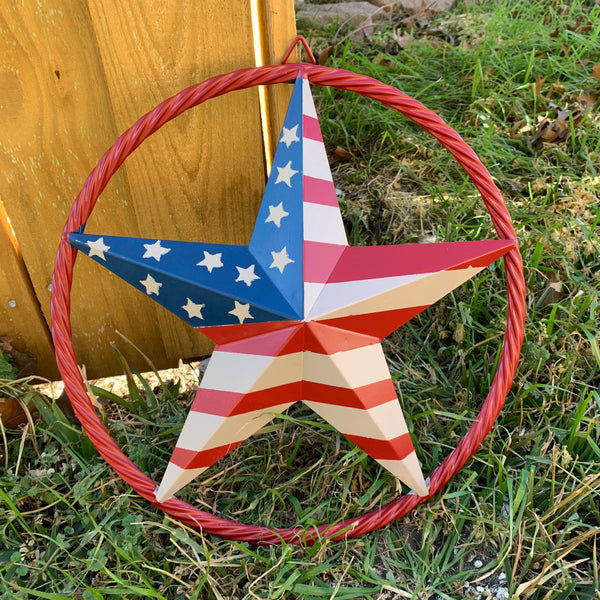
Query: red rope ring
pixel 113 159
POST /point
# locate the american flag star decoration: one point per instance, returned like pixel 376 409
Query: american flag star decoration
pixel 297 315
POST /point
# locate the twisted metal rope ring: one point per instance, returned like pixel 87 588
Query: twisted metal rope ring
pixel 114 158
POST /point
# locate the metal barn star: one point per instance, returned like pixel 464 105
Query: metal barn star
pixel 297 315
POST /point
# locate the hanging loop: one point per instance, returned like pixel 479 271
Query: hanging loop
pixel 302 40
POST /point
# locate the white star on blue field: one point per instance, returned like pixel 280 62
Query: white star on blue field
pixel 208 285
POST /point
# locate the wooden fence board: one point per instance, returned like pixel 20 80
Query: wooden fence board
pixel 278 24
pixel 201 176
pixel 20 316
pixel 78 74
pixel 57 124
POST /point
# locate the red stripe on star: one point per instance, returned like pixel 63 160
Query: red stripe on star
pixel 377 324
pixel 322 338
pixel 192 459
pixel 311 128
pixel 224 334
pixel 374 262
pixel 364 397
pixel 272 343
pixel 228 404
pixel 319 191
pixel 319 260
pixel 312 336
pixel 396 449
pixel 486 259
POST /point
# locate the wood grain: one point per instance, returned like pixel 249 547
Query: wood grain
pixel 278 29
pixel 201 176
pixel 73 76
pixel 56 123
pixel 20 316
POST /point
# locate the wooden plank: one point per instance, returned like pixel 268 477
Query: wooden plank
pixel 200 177
pixel 278 30
pixel 21 318
pixel 75 76
pixel 56 122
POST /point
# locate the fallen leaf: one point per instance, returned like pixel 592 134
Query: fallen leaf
pixel 514 186
pixel 587 101
pixel 552 294
pixel 383 60
pixel 24 364
pixel 553 131
pixel 403 41
pixel 12 413
pixel 555 88
pixel 364 32
pixel 340 154
pixel 580 26
pixel 325 55
pixel 539 82
pixel 421 16
pixel 565 50
pixel 596 72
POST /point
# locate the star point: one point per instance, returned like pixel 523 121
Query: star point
pixel 241 311
pixel 155 251
pixel 280 260
pixel 276 213
pixel 285 174
pixel 98 248
pixel 247 275
pixel 152 286
pixel 211 261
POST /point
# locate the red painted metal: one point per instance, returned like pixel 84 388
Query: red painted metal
pixel 299 39
pixel 154 120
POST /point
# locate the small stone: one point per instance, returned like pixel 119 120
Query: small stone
pixel 384 3
pixel 433 5
pixel 478 564
pixel 202 368
pixel 354 13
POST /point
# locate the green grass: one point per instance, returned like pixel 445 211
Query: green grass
pixel 523 516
